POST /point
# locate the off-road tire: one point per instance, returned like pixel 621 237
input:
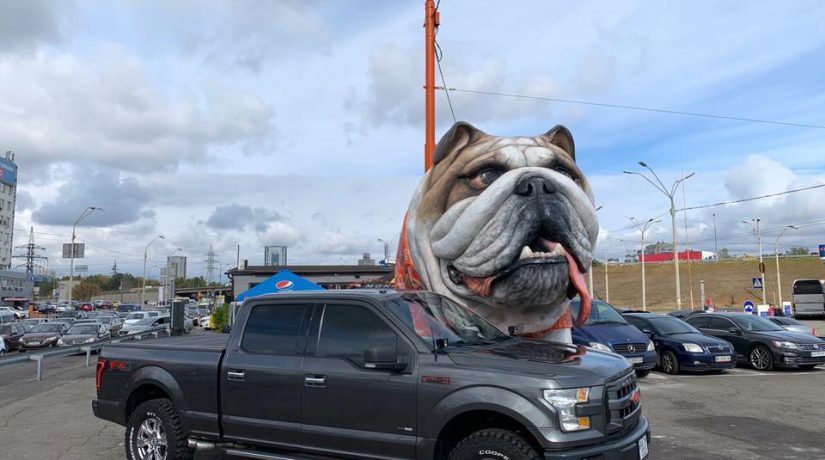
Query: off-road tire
pixel 642 373
pixel 670 363
pixel 493 444
pixel 177 447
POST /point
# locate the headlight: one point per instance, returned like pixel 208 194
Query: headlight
pixel 692 348
pixel 50 339
pixel 564 401
pixel 600 346
pixel 650 346
pixel 782 344
pixel 89 340
pixel 61 342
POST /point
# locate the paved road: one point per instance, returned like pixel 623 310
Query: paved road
pixel 742 414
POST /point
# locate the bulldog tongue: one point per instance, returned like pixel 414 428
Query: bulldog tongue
pixel 577 279
pixel 479 286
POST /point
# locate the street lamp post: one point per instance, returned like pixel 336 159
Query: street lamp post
pixel 660 186
pixel 86 212
pixel 386 251
pixel 170 280
pixel 776 253
pixel 145 254
pixel 643 228
pixel 761 264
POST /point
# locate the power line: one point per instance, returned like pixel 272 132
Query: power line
pixel 634 107
pixel 771 195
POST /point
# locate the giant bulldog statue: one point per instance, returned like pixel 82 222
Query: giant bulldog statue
pixel 505 226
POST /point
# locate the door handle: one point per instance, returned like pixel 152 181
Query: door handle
pixel 317 381
pixel 236 375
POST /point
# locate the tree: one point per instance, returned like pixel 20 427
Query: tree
pixel 196 282
pixel 797 251
pixel 724 254
pixel 86 290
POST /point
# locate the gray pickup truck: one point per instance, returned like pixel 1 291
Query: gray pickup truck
pixel 369 375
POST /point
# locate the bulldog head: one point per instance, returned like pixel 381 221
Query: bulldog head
pixel 504 225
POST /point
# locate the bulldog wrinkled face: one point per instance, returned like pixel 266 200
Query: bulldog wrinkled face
pixel 518 225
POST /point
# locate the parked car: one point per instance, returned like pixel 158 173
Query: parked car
pixel 790 324
pixel 74 314
pixel 384 375
pixel 606 330
pixel 97 303
pixel 18 313
pixel 7 317
pixel 43 335
pixel 67 321
pixel 46 307
pixel 2 348
pixel 64 307
pixel 87 306
pixel 143 325
pixel 81 333
pixel 682 314
pixel 106 305
pixel 10 334
pixel 29 323
pixel 682 347
pixel 136 316
pixel 112 323
pixel 760 342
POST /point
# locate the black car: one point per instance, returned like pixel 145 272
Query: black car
pixel 682 314
pixel 11 333
pixel 760 342
pixel 680 346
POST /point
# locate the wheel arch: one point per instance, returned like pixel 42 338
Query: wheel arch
pixel 151 382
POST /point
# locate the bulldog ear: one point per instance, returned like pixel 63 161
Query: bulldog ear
pixel 561 138
pixel 461 134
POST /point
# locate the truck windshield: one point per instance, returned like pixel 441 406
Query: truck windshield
pixel 435 317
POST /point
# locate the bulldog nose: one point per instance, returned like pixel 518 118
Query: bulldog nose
pixel 529 185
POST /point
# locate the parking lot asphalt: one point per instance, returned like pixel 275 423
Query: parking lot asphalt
pixel 741 414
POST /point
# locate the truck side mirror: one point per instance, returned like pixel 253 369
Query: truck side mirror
pixel 384 357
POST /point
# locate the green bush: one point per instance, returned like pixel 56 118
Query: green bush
pixel 220 318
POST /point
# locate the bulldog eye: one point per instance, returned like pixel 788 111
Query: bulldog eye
pixel 484 178
pixel 564 171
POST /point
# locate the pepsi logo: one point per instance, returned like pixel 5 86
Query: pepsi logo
pixel 285 284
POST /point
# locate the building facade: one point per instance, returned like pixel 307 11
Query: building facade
pixel 8 198
pixel 326 276
pixel 176 266
pixel 274 256
pixel 15 288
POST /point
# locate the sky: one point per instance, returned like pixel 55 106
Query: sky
pixel 300 123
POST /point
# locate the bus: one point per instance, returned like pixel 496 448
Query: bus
pixel 809 297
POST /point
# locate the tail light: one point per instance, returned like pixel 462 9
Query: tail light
pixel 101 365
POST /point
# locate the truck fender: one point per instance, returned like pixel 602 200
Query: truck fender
pixel 153 375
pixel 488 398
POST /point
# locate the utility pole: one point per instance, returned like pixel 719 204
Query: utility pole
pixel 761 264
pixel 642 229
pixel 776 254
pixel 431 23
pixel 32 254
pixel 606 281
pixel 658 185
pixel 715 242
pixel 386 251
pixel 114 268
pixel 210 265
pixel 145 255
pixel 86 212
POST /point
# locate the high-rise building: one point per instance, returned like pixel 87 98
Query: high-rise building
pixel 8 197
pixel 274 256
pixel 176 265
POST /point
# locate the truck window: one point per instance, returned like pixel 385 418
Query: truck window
pixel 273 329
pixel 349 330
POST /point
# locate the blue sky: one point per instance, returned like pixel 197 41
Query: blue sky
pixel 308 115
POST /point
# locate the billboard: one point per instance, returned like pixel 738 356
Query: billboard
pixel 8 172
pixel 274 256
pixel 79 249
pixel 822 251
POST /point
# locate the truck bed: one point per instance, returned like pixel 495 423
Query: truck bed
pixel 200 342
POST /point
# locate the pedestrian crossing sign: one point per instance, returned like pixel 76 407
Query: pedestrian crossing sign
pixel 757 283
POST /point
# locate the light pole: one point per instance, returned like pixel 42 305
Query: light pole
pixel 715 241
pixel 86 212
pixel 170 278
pixel 643 228
pixel 386 251
pixel 776 253
pixel 658 185
pixel 145 251
pixel 761 264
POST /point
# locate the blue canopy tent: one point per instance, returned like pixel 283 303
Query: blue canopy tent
pixel 283 281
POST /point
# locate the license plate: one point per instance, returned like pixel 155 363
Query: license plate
pixel 817 354
pixel 636 360
pixel 722 359
pixel 34 343
pixel 643 451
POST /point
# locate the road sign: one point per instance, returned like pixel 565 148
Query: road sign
pixel 79 249
pixel 822 251
pixel 757 283
pixel 748 306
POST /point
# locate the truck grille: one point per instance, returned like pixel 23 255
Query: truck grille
pixel 622 403
pixel 719 349
pixel 629 348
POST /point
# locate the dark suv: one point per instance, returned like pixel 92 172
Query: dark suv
pixel 760 342
pixel 369 375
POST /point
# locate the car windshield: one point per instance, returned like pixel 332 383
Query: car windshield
pixel 434 317
pixel 105 319
pixel 755 323
pixel 787 321
pixel 47 327
pixel 600 313
pixel 145 322
pixel 670 326
pixel 5 330
pixel 82 329
pixel 135 315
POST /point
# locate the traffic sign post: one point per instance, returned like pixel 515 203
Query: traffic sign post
pixel 748 305
pixel 757 283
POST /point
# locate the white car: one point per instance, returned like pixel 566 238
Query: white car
pixel 2 347
pixel 19 314
pixel 136 316
pixel 64 307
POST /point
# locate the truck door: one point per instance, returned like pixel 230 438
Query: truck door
pixel 261 376
pixel 347 408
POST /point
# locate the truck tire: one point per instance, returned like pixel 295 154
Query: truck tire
pixel 493 444
pixel 154 428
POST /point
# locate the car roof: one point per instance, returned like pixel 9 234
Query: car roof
pixel 647 315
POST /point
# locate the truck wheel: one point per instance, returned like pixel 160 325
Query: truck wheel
pixel 154 432
pixel 493 444
pixel 670 365
pixel 761 358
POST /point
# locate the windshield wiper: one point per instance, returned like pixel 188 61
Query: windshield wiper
pixel 608 322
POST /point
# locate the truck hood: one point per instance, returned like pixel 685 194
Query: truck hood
pixel 567 364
